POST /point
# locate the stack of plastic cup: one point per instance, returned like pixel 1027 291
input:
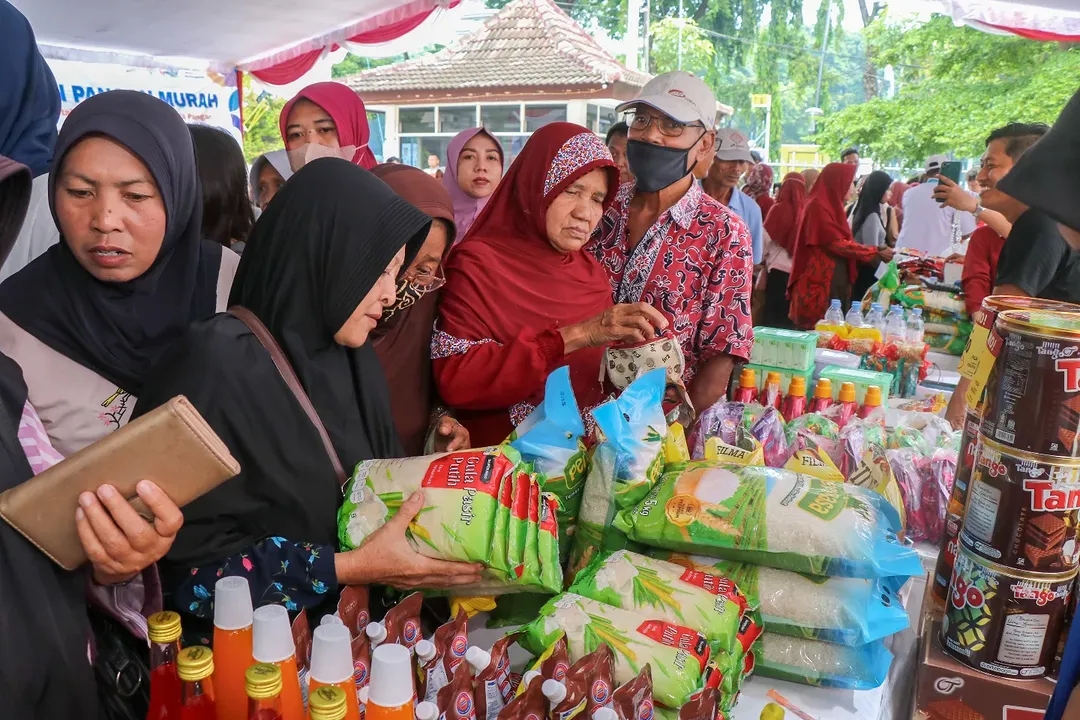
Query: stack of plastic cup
pixel 232 645
pixel 273 643
pixel 391 690
pixel 332 663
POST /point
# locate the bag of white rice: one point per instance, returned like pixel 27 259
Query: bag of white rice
pixel 848 611
pixel 823 664
pixel 550 439
pixel 625 464
pixel 678 655
pixel 772 517
pixel 708 603
pixel 461 498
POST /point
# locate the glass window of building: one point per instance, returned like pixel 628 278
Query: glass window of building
pixel 537 116
pixel 501 118
pixel 455 118
pixel 416 120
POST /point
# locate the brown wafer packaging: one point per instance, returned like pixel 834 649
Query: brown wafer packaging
pixel 527 705
pixel 354 609
pixel 494 686
pixel 402 622
pixel 455 700
pixel 579 682
pixel 702 705
pixel 635 697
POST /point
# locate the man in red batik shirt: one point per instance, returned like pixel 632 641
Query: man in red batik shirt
pixel 667 243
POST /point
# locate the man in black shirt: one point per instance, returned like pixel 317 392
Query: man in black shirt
pixel 1037 262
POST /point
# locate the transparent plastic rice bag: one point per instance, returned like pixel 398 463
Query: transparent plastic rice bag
pixel 772 517
pixel 822 664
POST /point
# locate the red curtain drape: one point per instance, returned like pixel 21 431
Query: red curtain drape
pixel 1036 34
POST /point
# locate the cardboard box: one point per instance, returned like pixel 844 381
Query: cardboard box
pixel 947 690
pixel 930 611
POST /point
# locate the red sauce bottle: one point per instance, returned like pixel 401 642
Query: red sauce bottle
pixel 163 631
pixel 195 666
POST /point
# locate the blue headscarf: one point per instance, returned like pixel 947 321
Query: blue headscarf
pixel 29 97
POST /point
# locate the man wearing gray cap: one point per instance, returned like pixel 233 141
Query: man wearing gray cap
pixel 665 242
pixel 928 225
pixel 722 183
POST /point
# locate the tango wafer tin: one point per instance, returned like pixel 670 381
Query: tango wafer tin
pixel 954 513
pixel 1033 394
pixel 1004 623
pixel 1022 510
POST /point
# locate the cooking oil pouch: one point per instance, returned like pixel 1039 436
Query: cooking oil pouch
pixel 822 664
pixel 679 654
pixel 626 463
pixel 772 517
pixel 706 602
pixel 550 439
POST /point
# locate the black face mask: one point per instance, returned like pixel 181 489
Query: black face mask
pixel 655 166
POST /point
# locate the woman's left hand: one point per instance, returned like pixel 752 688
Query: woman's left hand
pixel 450 435
pixel 118 541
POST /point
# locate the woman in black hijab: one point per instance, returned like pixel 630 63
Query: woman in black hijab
pixel 87 319
pixel 872 224
pixel 45 671
pixel 320 267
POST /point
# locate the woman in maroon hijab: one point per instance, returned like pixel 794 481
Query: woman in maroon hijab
pixel 330 115
pixel 826 255
pixel 522 298
pixel 403 336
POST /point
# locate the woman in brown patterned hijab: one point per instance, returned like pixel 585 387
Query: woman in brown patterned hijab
pixel 403 336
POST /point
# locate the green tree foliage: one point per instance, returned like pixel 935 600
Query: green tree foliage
pixel 698 53
pixel 261 131
pixel 955 85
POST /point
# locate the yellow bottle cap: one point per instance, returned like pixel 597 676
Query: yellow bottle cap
pixel 747 378
pixel 797 386
pixel 163 627
pixel 872 397
pixel 773 378
pixel 195 663
pixel 327 703
pixel 823 389
pixel 847 392
pixel 263 681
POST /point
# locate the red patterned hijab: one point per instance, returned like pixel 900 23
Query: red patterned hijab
pixel 505 276
pixel 823 218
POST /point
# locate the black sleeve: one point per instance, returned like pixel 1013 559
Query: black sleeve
pixel 1031 256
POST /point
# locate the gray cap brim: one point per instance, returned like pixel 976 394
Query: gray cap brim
pixel 675 108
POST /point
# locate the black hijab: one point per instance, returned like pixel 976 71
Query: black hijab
pixel 118 330
pixel 870 199
pixel 1047 176
pixel 314 254
pixel 44 670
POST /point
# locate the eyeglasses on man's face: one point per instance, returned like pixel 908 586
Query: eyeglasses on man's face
pixel 641 120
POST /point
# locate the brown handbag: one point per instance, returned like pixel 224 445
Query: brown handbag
pixel 289 376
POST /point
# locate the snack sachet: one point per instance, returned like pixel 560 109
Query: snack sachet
pixel 550 438
pixel 706 602
pixel 772 517
pixel 625 464
pixel 679 653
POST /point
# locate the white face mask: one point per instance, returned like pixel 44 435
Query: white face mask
pixel 301 156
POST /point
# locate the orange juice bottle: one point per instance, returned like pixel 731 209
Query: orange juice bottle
pixel 272 642
pixel 264 692
pixel 232 646
pixel 391 692
pixel 332 664
pixel 328 703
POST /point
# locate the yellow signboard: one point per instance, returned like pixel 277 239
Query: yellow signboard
pixel 760 101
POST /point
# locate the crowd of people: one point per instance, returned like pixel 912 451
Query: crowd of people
pixel 420 310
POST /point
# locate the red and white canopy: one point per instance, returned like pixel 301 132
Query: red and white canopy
pixel 277 41
pixel 1049 20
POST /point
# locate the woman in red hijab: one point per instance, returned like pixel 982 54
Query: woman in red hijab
pixel 826 255
pixel 522 298
pixel 759 185
pixel 322 117
pixel 780 227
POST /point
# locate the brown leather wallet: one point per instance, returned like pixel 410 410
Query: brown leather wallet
pixel 172 446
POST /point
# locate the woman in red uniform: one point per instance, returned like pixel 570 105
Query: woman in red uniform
pixel 826 257
pixel 522 298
